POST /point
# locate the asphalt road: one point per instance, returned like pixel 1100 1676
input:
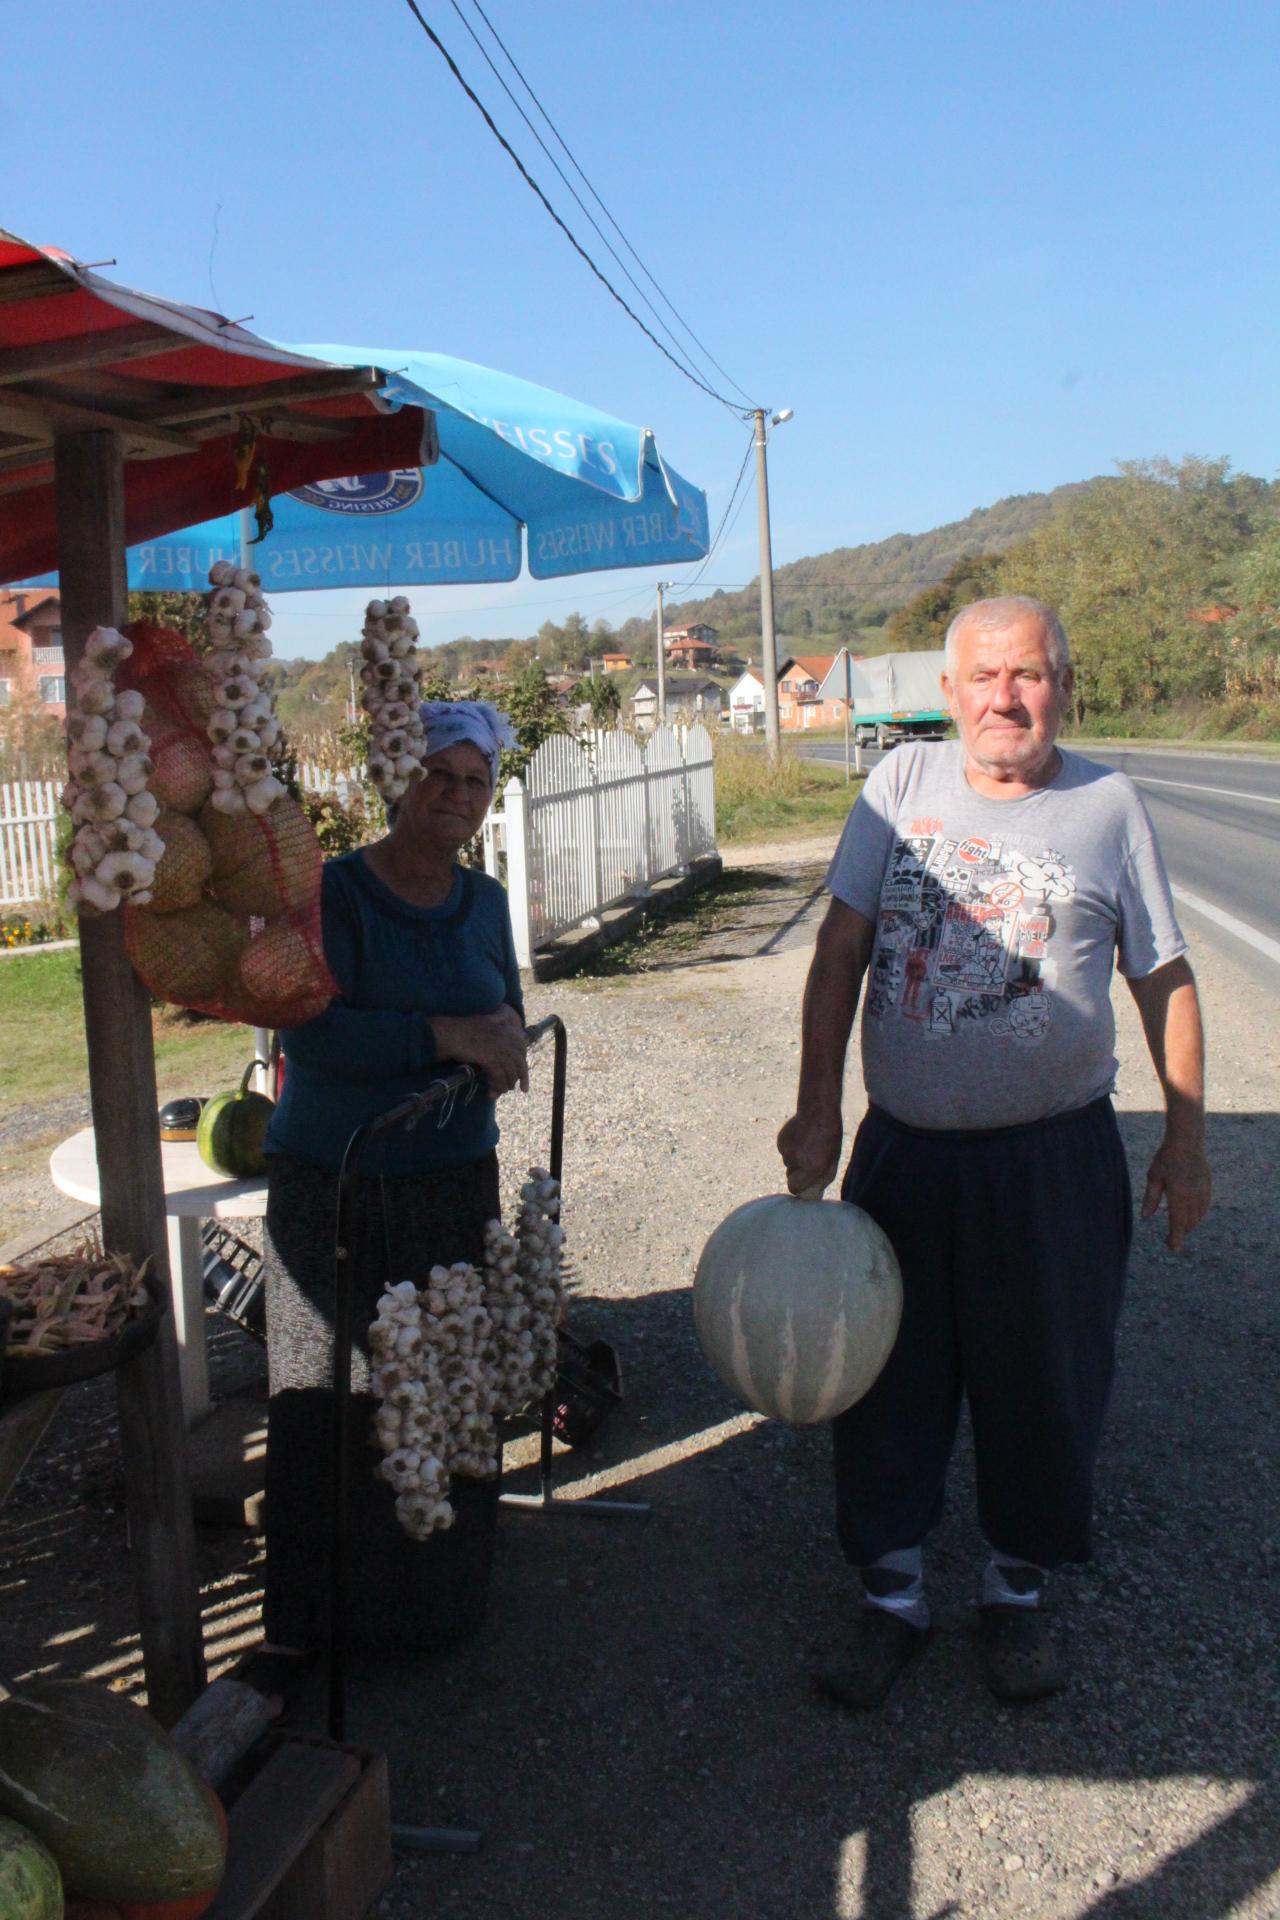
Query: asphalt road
pixel 1218 818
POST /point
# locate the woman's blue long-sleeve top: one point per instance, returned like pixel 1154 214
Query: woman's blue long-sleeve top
pixel 397 966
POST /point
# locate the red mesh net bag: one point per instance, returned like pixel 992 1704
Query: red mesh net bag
pixel 233 926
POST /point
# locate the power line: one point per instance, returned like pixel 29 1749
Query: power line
pixel 687 586
pixel 575 243
pixel 566 181
pixel 577 166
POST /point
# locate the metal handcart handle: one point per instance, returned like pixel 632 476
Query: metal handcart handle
pixel 462 1082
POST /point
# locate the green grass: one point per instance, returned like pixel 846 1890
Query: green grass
pixel 759 802
pixel 43 1055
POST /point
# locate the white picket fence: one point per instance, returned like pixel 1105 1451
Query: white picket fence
pixel 597 820
pixel 28 842
pixel 342 781
pixel 29 832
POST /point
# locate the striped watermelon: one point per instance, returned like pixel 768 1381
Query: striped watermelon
pixel 797 1304
pixel 30 1884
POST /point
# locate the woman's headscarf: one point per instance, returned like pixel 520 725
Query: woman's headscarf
pixel 448 723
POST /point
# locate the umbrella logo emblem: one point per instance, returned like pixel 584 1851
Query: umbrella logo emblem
pixel 364 493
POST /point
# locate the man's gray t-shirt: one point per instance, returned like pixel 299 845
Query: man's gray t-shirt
pixel 987 997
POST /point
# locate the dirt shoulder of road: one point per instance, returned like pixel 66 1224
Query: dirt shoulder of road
pixel 634 1726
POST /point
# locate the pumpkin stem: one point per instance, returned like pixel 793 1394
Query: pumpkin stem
pixel 244 1083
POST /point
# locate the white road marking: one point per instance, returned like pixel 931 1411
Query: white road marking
pixel 1261 941
pixel 1186 786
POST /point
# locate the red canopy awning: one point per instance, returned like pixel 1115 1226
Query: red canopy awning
pixel 177 383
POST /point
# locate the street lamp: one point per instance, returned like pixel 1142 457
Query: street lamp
pixel 769 653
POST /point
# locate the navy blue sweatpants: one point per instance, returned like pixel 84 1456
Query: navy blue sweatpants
pixel 1013 1245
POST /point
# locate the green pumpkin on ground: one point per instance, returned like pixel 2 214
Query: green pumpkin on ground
pixel 30 1884
pixel 232 1129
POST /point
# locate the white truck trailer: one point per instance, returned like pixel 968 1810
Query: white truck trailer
pixel 896 696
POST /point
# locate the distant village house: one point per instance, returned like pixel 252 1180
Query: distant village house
pixel 746 703
pixel 691 647
pixel 801 704
pixel 687 700
pixel 32 666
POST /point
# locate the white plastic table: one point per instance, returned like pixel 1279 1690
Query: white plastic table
pixel 192 1193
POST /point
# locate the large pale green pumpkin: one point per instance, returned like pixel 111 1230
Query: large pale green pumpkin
pixel 30 1884
pixel 122 1811
pixel 797 1304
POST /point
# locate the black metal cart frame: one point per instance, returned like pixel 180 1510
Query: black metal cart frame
pixel 460 1084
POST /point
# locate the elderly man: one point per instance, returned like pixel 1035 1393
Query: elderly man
pixel 983 888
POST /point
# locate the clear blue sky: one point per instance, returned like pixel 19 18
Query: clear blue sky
pixel 980 248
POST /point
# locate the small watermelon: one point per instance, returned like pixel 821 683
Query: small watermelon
pixel 30 1884
pixel 232 1129
pixel 123 1812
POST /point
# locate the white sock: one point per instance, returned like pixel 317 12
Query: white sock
pixel 1010 1582
pixel 895 1583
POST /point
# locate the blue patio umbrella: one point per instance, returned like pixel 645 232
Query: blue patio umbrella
pixel 590 492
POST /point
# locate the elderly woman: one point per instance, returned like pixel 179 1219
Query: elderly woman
pixel 422 953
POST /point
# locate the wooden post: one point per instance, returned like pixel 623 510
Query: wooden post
pixel 89 480
pixel 515 807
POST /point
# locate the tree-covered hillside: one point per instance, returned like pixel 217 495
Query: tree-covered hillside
pixel 851 589
pixel 1167 577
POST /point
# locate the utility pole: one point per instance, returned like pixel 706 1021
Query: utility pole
pixel 769 649
pixel 848 702
pixel 661 627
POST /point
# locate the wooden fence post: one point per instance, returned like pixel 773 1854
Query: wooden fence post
pixel 89 481
pixel 515 808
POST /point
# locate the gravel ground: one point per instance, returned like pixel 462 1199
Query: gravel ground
pixel 634 1726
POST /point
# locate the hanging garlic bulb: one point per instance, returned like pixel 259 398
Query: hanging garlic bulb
pixel 391 680
pixel 452 1360
pixel 109 764
pixel 242 727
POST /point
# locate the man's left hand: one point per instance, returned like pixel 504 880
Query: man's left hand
pixel 1178 1175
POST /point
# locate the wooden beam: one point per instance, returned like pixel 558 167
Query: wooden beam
pixel 218 1730
pixel 22 466
pixel 205 403
pixel 89 478
pixel 302 429
pixel 23 410
pixel 138 342
pixel 278 1813
pixel 35 282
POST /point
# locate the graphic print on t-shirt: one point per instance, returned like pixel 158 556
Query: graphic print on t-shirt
pixel 964 934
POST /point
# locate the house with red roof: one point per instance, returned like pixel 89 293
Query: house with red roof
pixel 692 646
pixel 32 667
pixel 800 701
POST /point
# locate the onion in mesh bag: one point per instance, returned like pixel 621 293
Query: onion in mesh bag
pixel 184 866
pixel 188 957
pixel 182 777
pixel 284 977
pixel 263 864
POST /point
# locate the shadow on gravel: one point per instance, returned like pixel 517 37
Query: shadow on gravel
pixel 646 1685
pixel 749 913
pixel 635 1731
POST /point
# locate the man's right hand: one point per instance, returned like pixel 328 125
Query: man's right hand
pixel 810 1149
pixel 492 1042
